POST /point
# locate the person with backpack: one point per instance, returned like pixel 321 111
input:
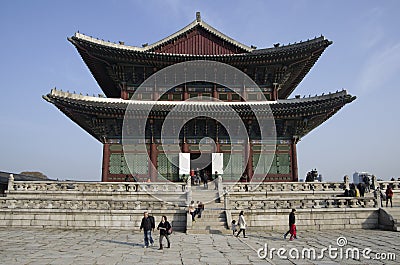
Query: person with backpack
pixel 147 225
pixel 165 231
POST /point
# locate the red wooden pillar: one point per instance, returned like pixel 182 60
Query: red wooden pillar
pixel 124 94
pixel 156 93
pixel 153 162
pixel 106 162
pixel 214 93
pixel 153 153
pixel 124 91
pixel 274 94
pixel 217 144
pixel 244 92
pixel 185 147
pixel 249 156
pixel 185 93
pixel 295 176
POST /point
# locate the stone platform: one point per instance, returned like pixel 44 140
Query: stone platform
pixel 120 205
pixel 55 246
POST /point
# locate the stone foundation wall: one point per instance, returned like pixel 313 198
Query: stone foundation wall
pixel 87 205
pixel 97 205
pixel 310 219
pixel 86 219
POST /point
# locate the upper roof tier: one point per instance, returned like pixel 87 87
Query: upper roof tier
pixel 113 65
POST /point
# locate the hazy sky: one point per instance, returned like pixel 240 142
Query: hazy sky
pixel 364 59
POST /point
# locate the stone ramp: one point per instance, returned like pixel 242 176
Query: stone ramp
pixel 389 218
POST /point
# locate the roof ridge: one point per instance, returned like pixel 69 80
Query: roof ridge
pixel 197 22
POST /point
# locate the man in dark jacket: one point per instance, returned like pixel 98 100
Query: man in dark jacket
pixel 147 225
pixel 292 221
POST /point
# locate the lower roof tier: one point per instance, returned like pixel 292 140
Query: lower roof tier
pixel 103 118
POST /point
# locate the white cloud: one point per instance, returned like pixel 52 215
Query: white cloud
pixel 380 70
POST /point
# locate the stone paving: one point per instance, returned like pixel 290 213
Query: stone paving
pixel 50 246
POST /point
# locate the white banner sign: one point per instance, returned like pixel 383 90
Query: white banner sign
pixel 217 163
pixel 184 163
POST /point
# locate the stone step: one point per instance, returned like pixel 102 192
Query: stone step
pixel 210 220
pixel 212 215
pixel 212 227
pixel 210 231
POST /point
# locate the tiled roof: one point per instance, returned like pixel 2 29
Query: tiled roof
pixel 103 117
pixel 198 22
pixel 296 106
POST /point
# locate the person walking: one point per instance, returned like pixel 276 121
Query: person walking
pixel 164 226
pixel 389 195
pixel 242 225
pixel 147 225
pixel 292 226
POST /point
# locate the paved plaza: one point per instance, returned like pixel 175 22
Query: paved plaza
pixel 50 246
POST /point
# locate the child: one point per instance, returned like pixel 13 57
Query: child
pixel 233 227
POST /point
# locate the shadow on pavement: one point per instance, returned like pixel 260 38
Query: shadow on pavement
pixel 123 243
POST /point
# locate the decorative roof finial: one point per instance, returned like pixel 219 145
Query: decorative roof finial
pixel 198 16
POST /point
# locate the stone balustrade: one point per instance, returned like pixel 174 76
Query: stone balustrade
pixel 337 187
pixel 384 184
pixel 301 203
pixel 92 204
pixel 93 187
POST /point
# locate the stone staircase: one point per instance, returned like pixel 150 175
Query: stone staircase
pixel 213 218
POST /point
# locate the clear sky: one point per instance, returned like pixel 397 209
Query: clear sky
pixel 35 57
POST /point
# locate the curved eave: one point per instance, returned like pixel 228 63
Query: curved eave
pixel 311 111
pixel 121 53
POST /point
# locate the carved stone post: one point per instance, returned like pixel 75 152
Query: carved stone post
pixel 11 182
pixel 189 190
pixel 346 182
pixel 226 200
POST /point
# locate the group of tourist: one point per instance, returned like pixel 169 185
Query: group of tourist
pixel 385 196
pixel 196 210
pixel 355 190
pixel 198 176
pixel 148 222
pixel 241 224
pixel 148 225
pixel 360 189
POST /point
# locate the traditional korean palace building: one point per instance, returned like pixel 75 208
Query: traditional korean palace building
pixel 120 69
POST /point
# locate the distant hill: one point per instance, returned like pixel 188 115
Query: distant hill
pixel 36 174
